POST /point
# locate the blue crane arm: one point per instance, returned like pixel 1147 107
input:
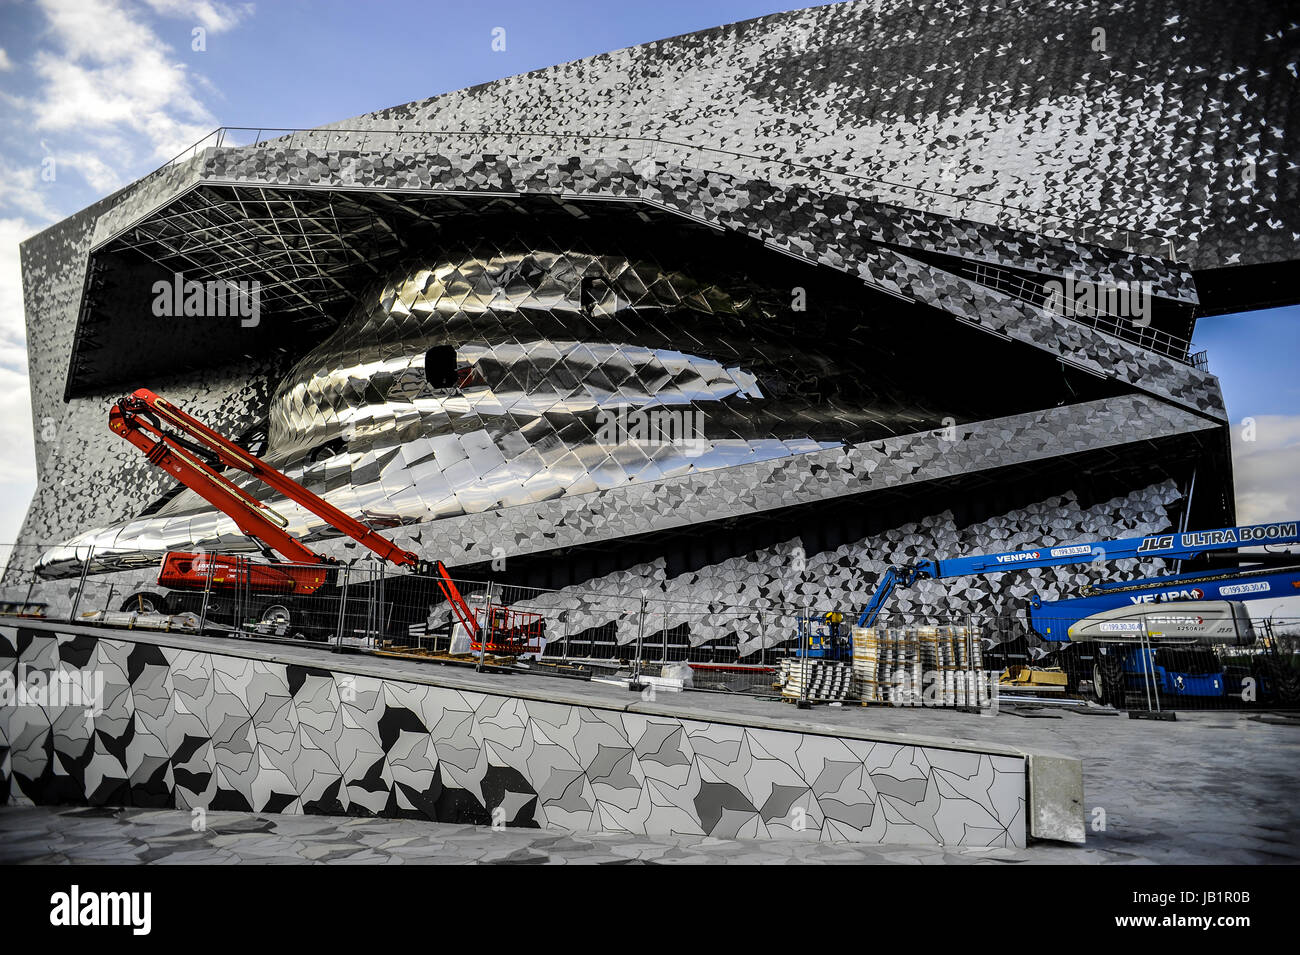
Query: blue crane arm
pixel 884 590
pixel 1166 546
pixel 1173 546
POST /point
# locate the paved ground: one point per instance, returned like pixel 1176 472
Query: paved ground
pixel 1209 788
pixel 44 835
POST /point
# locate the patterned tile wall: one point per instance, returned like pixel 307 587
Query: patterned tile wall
pixel 191 729
pixel 1005 102
pixel 755 598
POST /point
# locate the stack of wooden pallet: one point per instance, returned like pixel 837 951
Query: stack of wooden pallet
pixel 918 666
pixel 866 665
pixel 818 681
pixel 900 667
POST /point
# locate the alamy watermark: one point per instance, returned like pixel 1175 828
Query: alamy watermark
pixel 651 427
pixel 78 907
pixel 1074 297
pixel 212 298
pixel 59 689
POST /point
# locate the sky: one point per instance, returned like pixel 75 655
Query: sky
pixel 103 91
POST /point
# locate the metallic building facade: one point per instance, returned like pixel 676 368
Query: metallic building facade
pixel 825 249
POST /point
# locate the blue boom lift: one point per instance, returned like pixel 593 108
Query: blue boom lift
pixel 1051 620
pixel 1176 672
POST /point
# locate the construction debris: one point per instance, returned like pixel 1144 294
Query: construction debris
pixel 133 620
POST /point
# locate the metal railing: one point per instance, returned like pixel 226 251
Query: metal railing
pixel 1118 326
pixel 1145 336
pixel 640 148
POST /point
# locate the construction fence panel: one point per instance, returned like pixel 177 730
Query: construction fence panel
pixel 313 602
pixel 107 590
pixel 1150 677
pixel 806 653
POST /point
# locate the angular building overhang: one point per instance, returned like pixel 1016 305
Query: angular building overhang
pixel 309 225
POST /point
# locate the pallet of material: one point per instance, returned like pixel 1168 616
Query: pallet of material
pixel 817 680
pixel 918 666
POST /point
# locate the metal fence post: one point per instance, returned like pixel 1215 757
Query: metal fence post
pixel 343 609
pixel 485 632
pixel 805 669
pixel 564 657
pixel 372 593
pixel 635 682
pixel 969 664
pixel 207 593
pixel 780 617
pixel 1148 673
pixel 377 604
pixel 243 598
pixel 81 584
pixel 383 613
pixel 663 613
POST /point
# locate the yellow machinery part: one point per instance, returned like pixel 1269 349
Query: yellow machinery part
pixel 1033 676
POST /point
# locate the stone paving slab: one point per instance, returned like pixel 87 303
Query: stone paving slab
pixel 48 835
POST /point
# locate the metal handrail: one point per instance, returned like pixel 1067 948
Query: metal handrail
pixel 1116 326
pixel 261 138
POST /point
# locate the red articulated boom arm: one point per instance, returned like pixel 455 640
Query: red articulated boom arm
pixel 140 418
pixel 254 518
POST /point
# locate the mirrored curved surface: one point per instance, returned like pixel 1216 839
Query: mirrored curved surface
pixel 495 377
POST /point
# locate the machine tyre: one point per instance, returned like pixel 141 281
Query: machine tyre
pixel 1108 679
pixel 278 612
pixel 1068 658
pixel 1284 681
pixel 275 613
pixel 147 601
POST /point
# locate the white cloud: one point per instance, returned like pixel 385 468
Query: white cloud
pixel 1267 476
pixel 18 463
pixel 1267 469
pixel 213 17
pixel 106 69
pixel 13 343
pixel 101 177
pixel 21 191
pixel 6 64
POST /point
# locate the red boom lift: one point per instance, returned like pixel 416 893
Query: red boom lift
pixel 150 423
